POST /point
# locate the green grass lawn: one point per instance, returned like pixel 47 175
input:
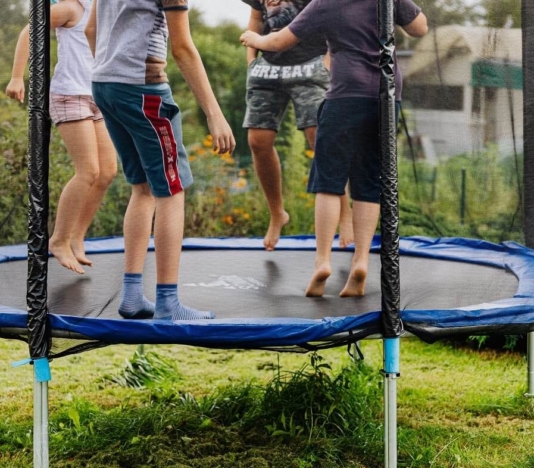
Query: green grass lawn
pixel 457 408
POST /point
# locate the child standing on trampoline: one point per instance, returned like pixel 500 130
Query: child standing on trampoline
pixel 274 80
pixel 80 125
pixel 131 88
pixel 347 147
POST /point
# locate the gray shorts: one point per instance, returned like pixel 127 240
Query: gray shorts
pixel 270 88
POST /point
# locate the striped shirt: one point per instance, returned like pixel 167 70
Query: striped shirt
pixel 131 43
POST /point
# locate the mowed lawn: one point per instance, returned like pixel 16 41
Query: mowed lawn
pixel 457 407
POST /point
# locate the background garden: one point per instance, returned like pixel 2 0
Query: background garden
pixel 460 406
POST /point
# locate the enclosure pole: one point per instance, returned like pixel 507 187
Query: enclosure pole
pixel 463 196
pixel 391 374
pixel 38 152
pixel 530 359
pixel 389 227
pixel 40 425
pixel 527 15
pixel 528 116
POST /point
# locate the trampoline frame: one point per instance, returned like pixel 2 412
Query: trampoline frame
pixel 39 129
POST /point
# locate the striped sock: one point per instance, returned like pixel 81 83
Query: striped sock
pixel 134 305
pixel 168 307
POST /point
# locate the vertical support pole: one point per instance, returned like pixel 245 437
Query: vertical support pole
pixel 463 196
pixel 40 425
pixel 391 374
pixel 530 359
pixel 434 183
pixel 41 370
pixel 389 197
pixel 527 15
pixel 389 224
pixel 37 280
pixel 528 120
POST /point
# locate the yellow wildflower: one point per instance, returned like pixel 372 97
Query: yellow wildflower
pixel 228 220
pixel 240 184
pixel 208 141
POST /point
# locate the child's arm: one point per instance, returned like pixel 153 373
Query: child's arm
pixel 90 29
pixel 255 24
pixel 60 15
pixel 274 42
pixel 418 27
pixel 15 88
pixel 188 60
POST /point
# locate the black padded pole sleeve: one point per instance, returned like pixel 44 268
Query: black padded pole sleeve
pixel 389 203
pixel 38 148
pixel 528 115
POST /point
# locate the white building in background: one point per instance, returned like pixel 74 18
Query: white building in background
pixel 463 91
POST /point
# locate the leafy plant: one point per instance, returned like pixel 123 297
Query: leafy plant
pixel 146 369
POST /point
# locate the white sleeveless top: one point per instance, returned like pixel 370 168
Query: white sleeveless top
pixel 72 75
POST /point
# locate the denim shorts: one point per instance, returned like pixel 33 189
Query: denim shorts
pixel 145 126
pixel 347 149
pixel 270 89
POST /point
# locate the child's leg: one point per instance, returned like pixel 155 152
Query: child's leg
pixel 365 218
pixel 137 230
pixel 346 232
pixel 80 140
pixel 168 236
pixel 107 164
pixel 345 221
pixel 327 212
pixel 267 166
pixel 138 227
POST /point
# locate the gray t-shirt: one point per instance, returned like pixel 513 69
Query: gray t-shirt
pixel 277 14
pixel 351 30
pixel 131 42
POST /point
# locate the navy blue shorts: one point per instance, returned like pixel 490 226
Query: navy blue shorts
pixel 145 126
pixel 348 149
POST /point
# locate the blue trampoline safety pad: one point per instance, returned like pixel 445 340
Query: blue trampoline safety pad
pixel 511 314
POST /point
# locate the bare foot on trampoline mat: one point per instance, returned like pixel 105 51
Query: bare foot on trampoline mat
pixel 78 250
pixel 355 286
pixel 346 233
pixel 317 283
pixel 275 228
pixel 64 255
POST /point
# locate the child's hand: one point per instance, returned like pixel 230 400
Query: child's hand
pixel 223 138
pixel 250 39
pixel 15 89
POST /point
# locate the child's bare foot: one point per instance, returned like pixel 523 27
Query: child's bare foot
pixel 355 286
pixel 346 233
pixel 275 228
pixel 64 255
pixel 317 283
pixel 78 250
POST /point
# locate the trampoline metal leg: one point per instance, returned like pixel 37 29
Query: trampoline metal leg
pixel 391 374
pixel 530 360
pixel 390 420
pixel 40 425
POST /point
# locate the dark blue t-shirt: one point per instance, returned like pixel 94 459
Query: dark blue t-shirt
pixel 351 29
pixel 277 14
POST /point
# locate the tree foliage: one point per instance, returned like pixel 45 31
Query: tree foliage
pixel 493 13
pixel 503 12
pixel 443 12
pixel 13 12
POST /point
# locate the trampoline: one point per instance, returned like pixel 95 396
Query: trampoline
pixel 430 288
pixel 448 287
